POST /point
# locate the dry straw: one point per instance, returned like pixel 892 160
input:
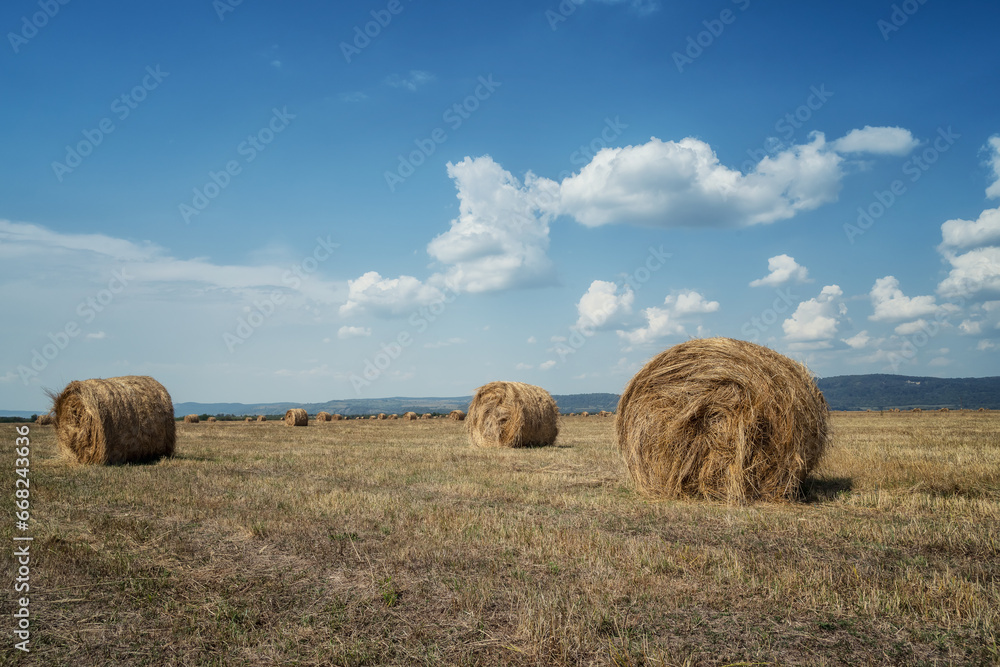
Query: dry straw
pixel 410 416
pixel 723 419
pixel 248 419
pixel 512 414
pixel 211 420
pixel 584 414
pixel 296 417
pixel 261 418
pixel 191 419
pixel 457 415
pixel 322 416
pixel 336 418
pixel 393 416
pixel 46 420
pixel 115 420
pixel 382 415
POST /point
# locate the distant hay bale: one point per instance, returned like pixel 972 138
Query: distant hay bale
pixel 512 414
pixel 721 418
pixel 456 415
pixel 916 410
pixel 943 410
pixel 248 419
pixel 115 420
pixel 46 420
pixel 211 419
pixel 382 415
pixel 584 414
pixel 426 415
pixel 393 416
pixel 336 418
pixel 409 416
pixel 191 419
pixel 981 410
pixel 296 417
pixel 261 418
pixel 603 413
pixel 322 416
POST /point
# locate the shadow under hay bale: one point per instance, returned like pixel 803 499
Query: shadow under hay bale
pixel 723 419
pixel 115 420
pixel 512 414
pixel 296 417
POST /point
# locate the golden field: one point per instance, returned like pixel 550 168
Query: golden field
pixel 392 542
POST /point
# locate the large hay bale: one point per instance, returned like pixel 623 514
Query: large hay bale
pixel 409 416
pixel 191 419
pixel 457 415
pixel 296 417
pixel 512 414
pixel 261 418
pixel 115 420
pixel 723 419
pixel 322 416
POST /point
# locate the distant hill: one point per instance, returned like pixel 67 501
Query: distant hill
pixel 843 392
pixel 864 392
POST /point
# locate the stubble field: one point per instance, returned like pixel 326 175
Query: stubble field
pixel 391 542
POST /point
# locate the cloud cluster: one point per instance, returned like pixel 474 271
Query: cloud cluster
pixel 817 320
pixel 671 320
pixel 782 269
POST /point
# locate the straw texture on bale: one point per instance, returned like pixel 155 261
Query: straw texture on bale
pixel 584 414
pixel 336 418
pixel 913 410
pixel 296 417
pixel 409 416
pixel 982 410
pixel 723 419
pixel 261 418
pixel 115 420
pixel 248 419
pixel 211 419
pixel 191 419
pixel 426 415
pixel 45 420
pixel 322 416
pixel 603 413
pixel 457 415
pixel 393 416
pixel 382 415
pixel 512 414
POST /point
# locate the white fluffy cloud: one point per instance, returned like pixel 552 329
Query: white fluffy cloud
pixel 602 305
pixel 993 190
pixel 877 140
pixel 861 340
pixel 974 272
pixel 818 318
pixel 910 328
pixel 957 234
pixel 346 332
pixel 501 235
pixel 782 269
pixel 890 304
pixel 387 296
pixel 669 321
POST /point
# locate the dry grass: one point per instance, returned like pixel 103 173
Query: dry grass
pixel 397 544
pixel 721 418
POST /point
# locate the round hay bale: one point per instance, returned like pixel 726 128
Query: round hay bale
pixel 409 416
pixel 322 416
pixel 584 414
pixel 261 418
pixel 382 415
pixel 296 417
pixel 393 416
pixel 211 420
pixel 191 419
pixel 604 413
pixel 457 415
pixel 943 410
pixel 981 410
pixel 722 419
pixel 336 418
pixel 914 410
pixel 115 420
pixel 426 415
pixel 248 419
pixel 512 414
pixel 46 420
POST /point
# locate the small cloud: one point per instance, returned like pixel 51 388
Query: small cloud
pixel 412 81
pixel 984 345
pixel 782 268
pixel 890 303
pixel 877 140
pixel 100 335
pixel 346 332
pixel 690 302
pixel 276 64
pixel 532 340
pixel 970 327
pixel 558 339
pixel 524 367
pixel 939 361
pixel 858 341
pixel 993 190
pixel 910 328
pixel 546 365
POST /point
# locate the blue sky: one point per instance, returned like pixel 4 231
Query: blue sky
pixel 308 201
